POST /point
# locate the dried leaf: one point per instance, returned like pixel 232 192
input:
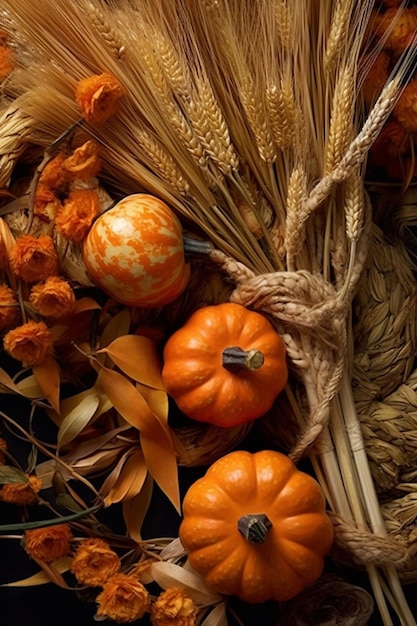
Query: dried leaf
pixel 9 474
pixel 42 577
pixel 48 377
pixel 171 575
pixel 135 509
pixel 7 242
pixel 157 400
pixel 137 357
pixel 130 480
pixel 156 441
pixel 70 404
pixel 78 418
pixel 29 387
pixel 7 382
pixel 173 551
pixel 85 304
pixel 118 325
pixel 216 617
pixel 52 573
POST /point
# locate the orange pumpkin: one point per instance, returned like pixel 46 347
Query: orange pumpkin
pixel 225 366
pixel 256 527
pixel 135 252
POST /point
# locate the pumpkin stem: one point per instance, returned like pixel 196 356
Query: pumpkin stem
pixel 196 247
pixel 235 359
pixel 254 528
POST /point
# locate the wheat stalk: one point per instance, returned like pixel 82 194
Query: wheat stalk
pixel 113 38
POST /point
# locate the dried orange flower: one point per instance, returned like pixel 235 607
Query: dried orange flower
pixel 6 58
pixel 9 308
pixel 53 298
pixel 46 203
pixel 54 175
pixel 77 214
pixel 173 608
pixel 376 77
pixel 84 162
pixel 21 493
pixel 401 34
pixel 50 543
pixel 94 562
pixel 98 96
pixel 405 109
pixel 30 343
pixel 123 599
pixel 34 258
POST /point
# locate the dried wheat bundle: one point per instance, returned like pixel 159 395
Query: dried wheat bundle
pixel 261 149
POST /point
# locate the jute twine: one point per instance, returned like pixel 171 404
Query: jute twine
pixel 311 317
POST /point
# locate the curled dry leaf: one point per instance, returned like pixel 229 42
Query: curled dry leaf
pixel 48 377
pixel 43 577
pixel 171 575
pixel 78 418
pixel 117 326
pixel 216 617
pixel 7 242
pixel 129 480
pixel 137 357
pixel 155 436
pixel 135 509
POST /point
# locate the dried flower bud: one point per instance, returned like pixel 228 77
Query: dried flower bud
pixel 98 97
pixel 46 204
pixel 123 599
pixel 54 175
pixel 9 308
pixel 34 258
pixel 6 58
pixel 29 343
pixel 94 562
pixel 405 110
pixel 77 214
pixel 50 543
pixel 398 27
pixel 173 608
pixel 84 162
pixel 21 493
pixel 54 298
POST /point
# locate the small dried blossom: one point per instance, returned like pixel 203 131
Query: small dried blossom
pixel 34 258
pixel 49 543
pixel 84 162
pixel 23 493
pixel 54 175
pixel 405 110
pixel 46 203
pixel 98 97
pixel 7 62
pixel 376 77
pixel 398 27
pixel 77 214
pixel 173 608
pixel 94 562
pixel 53 298
pixel 123 599
pixel 29 343
pixel 9 308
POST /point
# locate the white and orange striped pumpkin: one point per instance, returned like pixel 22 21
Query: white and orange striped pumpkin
pixel 135 252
